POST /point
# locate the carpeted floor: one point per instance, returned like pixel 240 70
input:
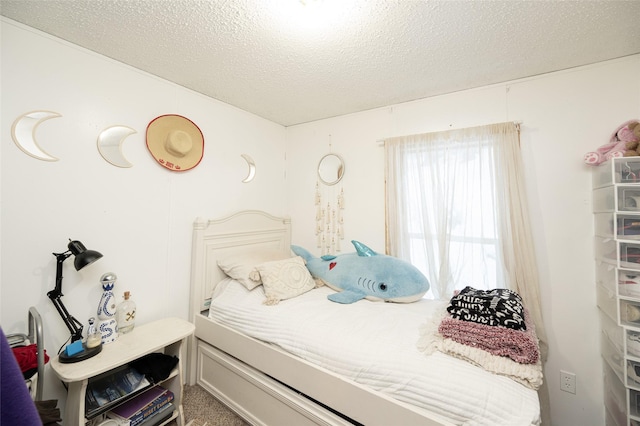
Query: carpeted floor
pixel 202 409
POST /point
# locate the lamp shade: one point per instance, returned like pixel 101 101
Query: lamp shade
pixel 83 257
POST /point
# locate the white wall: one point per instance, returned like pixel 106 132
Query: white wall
pixel 563 115
pixel 139 218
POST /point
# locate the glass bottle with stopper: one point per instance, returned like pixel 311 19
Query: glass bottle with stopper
pixel 126 314
pixel 94 338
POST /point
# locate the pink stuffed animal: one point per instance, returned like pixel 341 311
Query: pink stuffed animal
pixel 617 144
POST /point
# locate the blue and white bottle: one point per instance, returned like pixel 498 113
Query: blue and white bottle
pixel 107 309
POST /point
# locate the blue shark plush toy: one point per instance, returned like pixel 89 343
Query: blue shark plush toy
pixel 366 275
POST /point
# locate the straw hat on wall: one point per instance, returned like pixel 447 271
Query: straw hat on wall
pixel 175 142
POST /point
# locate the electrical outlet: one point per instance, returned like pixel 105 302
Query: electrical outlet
pixel 568 382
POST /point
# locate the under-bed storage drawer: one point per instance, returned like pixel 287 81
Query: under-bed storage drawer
pixel 255 396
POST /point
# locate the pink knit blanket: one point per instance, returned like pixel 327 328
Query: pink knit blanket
pixel 520 346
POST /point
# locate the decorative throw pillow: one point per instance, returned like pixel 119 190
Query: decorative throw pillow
pixel 241 266
pixel 284 279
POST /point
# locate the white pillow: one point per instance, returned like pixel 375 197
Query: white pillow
pixel 241 266
pixel 284 279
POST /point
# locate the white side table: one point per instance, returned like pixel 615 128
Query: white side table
pixel 165 335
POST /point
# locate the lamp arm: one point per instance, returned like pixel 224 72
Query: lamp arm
pixel 60 258
pixel 74 326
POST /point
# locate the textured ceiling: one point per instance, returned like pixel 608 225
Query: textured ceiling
pixel 294 61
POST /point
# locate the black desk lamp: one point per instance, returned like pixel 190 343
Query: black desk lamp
pixel 83 257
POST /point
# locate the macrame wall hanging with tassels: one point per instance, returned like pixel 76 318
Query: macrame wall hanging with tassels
pixel 329 222
pixel 329 214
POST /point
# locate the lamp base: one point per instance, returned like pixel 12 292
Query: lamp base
pixel 80 356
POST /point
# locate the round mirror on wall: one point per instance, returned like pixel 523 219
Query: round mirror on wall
pixel 330 169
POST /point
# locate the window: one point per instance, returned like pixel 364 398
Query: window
pixel 456 208
pixel 460 199
pixel 446 196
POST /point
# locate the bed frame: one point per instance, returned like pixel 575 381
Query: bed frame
pixel 260 382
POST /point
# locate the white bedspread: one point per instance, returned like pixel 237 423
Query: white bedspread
pixel 374 344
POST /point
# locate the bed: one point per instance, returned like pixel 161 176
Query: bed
pixel 247 353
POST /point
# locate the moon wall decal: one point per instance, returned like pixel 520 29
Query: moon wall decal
pixel 110 144
pixel 252 168
pixel 23 132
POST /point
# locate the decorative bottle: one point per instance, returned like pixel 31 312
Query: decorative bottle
pixel 126 314
pixel 107 309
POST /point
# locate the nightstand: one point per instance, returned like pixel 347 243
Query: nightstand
pixel 165 335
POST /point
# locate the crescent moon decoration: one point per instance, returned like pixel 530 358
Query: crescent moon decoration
pixel 110 144
pixel 23 132
pixel 252 168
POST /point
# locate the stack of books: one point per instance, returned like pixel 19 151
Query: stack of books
pixel 149 408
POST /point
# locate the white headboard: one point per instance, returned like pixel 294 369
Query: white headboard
pixel 217 238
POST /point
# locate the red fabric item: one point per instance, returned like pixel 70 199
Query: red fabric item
pixel 27 357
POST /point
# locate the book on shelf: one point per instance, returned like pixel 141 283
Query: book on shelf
pixel 159 417
pixel 106 390
pixel 162 415
pixel 139 408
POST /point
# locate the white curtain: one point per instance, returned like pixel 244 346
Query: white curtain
pixel 456 208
